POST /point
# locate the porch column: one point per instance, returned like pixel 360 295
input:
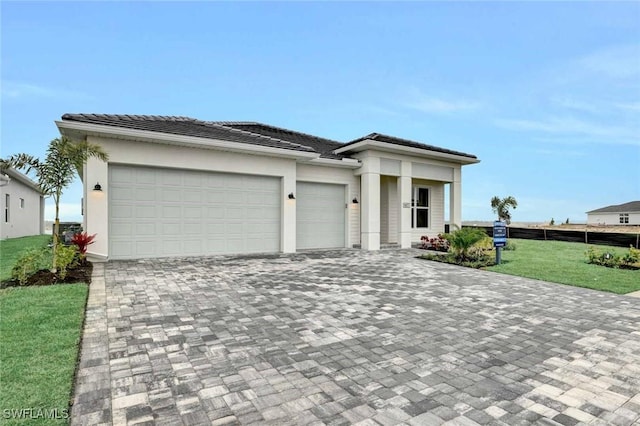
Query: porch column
pixel 96 213
pixel 370 213
pixel 455 201
pixel 404 205
pixel 288 220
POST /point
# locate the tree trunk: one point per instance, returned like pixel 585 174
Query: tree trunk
pixel 56 239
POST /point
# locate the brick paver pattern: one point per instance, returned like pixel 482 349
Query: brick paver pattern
pixel 351 337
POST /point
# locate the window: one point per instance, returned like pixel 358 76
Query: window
pixel 22 203
pixel 624 218
pixel 7 199
pixel 420 207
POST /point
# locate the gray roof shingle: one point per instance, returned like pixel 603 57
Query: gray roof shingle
pixel 633 206
pixel 321 145
pixel 405 142
pixel 185 126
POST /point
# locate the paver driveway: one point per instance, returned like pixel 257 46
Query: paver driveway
pixel 352 337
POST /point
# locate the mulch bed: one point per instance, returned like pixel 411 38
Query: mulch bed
pixel 79 274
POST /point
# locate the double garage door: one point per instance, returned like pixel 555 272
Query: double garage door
pixel 159 212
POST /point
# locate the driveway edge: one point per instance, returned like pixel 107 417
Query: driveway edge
pixel 92 398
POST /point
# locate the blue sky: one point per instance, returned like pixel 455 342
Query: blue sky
pixel 546 94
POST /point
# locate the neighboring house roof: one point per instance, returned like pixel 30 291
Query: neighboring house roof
pixel 13 174
pixel 253 133
pixel 405 142
pixel 631 207
pixel 184 126
pixel 321 145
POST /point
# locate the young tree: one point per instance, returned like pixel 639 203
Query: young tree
pixel 63 162
pixel 501 207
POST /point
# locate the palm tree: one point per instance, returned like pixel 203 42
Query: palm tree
pixel 57 171
pixel 501 206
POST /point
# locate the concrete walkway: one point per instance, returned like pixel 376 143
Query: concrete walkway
pixel 351 337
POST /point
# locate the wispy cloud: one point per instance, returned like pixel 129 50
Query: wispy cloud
pixel 619 62
pixel 574 104
pixel 439 105
pixel 630 106
pixel 21 90
pixel 559 153
pixel 572 127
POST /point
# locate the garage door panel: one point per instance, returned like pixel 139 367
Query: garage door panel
pixel 120 229
pixel 118 211
pixel 145 248
pixel 145 177
pixel 169 212
pixel 120 193
pixel 320 213
pixel 192 196
pixel 215 212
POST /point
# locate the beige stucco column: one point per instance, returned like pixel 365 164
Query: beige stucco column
pixel 370 213
pixel 404 205
pixel 96 212
pixel 288 223
pixel 455 200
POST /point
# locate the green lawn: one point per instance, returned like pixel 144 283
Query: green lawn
pixel 565 263
pixel 39 336
pixel 12 248
pixel 40 330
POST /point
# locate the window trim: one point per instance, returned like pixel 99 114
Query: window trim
pixel 7 203
pixel 414 209
pixel 624 218
pixel 22 203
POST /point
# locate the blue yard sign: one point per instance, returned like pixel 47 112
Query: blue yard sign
pixel 499 234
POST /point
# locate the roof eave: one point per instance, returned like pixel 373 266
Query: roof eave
pixel 79 130
pixel 22 178
pixel 401 149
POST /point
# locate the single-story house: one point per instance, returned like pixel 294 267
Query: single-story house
pixel 177 186
pixel 619 214
pixel 23 205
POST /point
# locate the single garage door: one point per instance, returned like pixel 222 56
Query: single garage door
pixel 156 212
pixel 320 213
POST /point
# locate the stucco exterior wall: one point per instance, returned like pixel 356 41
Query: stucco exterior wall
pixel 26 219
pixel 612 219
pixel 161 155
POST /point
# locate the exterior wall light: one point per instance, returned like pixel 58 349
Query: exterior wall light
pixel 355 200
pixel 291 196
pixel 97 187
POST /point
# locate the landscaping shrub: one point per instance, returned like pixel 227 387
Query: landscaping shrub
pixel 462 240
pixel 82 240
pixel 510 245
pixel 438 243
pixel 68 257
pixel 630 260
pixel 31 261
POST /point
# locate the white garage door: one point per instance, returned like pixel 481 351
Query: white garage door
pixel 320 212
pixel 156 212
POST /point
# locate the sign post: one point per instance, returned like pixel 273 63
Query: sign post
pixel 499 238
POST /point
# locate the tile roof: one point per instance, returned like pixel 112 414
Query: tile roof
pixel 321 145
pixel 405 142
pixel 244 132
pixel 185 126
pixel 633 206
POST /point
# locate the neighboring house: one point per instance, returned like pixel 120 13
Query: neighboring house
pixel 22 205
pixel 621 214
pixel 176 186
